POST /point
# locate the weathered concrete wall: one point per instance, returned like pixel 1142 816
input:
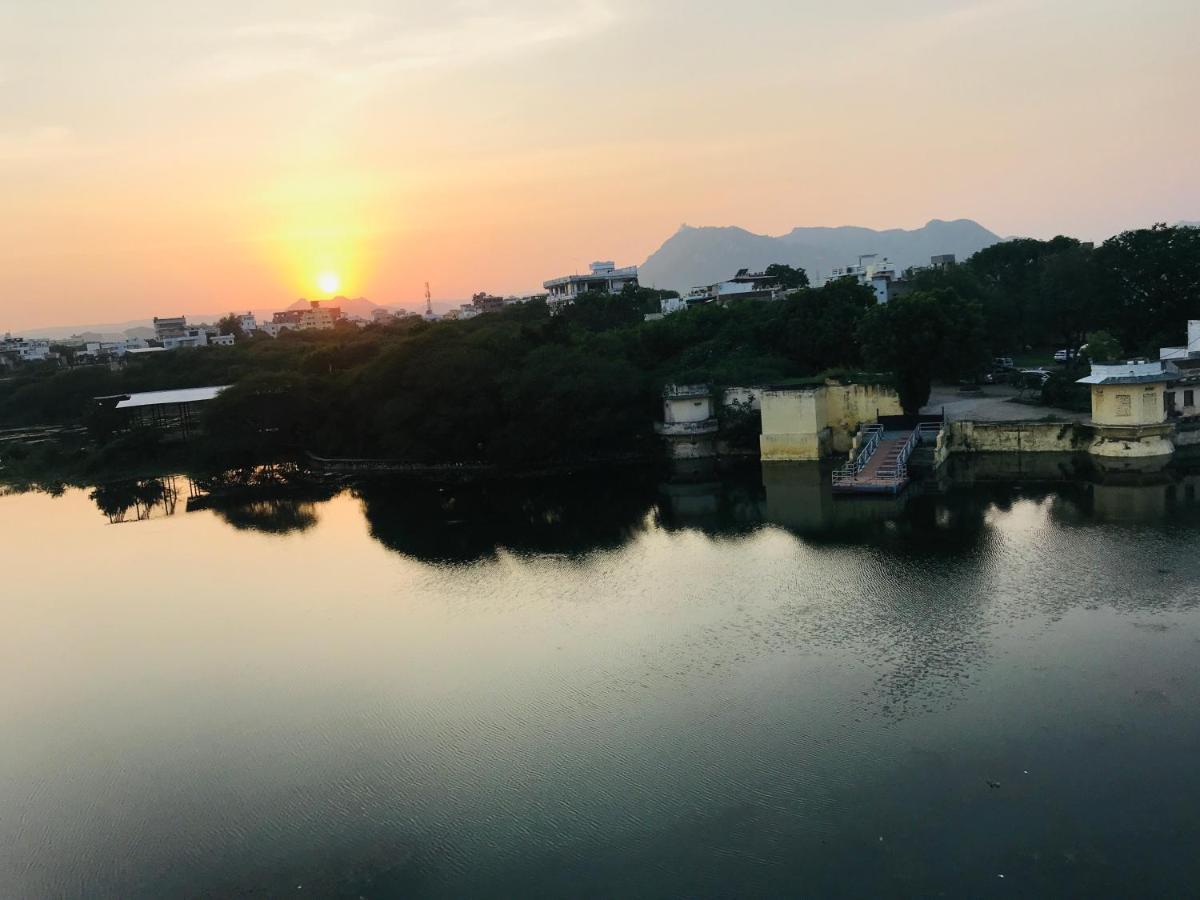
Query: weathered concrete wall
pixel 1187 434
pixel 794 446
pixel 847 406
pixel 1133 443
pixel 687 409
pixel 793 424
pixel 813 422
pixel 1015 437
pixel 743 396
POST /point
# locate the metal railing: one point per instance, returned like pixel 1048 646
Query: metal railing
pixel 873 434
pixel 898 471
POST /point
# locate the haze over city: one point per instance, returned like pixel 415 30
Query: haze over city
pixel 231 156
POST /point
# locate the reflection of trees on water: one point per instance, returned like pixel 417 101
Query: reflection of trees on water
pixel 274 516
pixel 143 497
pixel 460 523
pixel 279 499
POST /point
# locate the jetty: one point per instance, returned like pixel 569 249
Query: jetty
pixel 879 465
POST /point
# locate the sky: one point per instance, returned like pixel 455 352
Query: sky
pixel 158 158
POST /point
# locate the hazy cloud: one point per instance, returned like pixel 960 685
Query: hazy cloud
pixel 41 144
pixel 355 47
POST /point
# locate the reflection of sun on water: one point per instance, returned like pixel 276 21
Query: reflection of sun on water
pixel 328 282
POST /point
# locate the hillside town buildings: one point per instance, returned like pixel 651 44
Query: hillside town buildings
pixel 169 326
pixel 19 349
pixel 745 285
pixel 603 278
pixel 114 349
pixel 882 276
pixel 313 317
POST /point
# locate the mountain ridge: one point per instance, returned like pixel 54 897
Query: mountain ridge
pixel 696 255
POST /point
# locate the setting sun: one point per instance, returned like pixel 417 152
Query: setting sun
pixel 328 282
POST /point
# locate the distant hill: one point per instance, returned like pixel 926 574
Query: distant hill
pixel 694 256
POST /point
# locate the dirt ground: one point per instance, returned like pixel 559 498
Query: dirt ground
pixel 993 405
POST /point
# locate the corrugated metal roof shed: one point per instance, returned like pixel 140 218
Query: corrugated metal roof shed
pixel 171 398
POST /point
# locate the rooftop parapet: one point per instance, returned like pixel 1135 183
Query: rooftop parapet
pixel 1134 371
pixel 684 391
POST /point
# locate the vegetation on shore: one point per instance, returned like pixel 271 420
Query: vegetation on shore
pixel 524 388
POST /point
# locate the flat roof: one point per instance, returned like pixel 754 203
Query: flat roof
pixel 165 398
pixel 1132 372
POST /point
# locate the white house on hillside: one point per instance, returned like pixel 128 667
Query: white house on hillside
pixel 603 278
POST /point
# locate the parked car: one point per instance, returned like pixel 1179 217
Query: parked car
pixel 1065 356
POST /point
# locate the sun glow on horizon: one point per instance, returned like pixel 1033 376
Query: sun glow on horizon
pixel 329 282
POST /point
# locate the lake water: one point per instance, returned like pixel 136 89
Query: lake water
pixel 622 686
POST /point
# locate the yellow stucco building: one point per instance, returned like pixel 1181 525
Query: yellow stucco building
pixel 814 422
pixel 1129 411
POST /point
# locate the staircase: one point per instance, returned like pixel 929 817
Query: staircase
pixel 882 464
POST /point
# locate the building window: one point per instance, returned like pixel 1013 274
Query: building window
pixel 1124 404
pixel 1189 398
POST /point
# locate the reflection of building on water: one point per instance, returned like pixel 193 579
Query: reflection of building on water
pixel 965 469
pixel 800 497
pixel 701 493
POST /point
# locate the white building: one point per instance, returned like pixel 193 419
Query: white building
pixel 1193 344
pixel 1183 363
pixel 169 327
pixel 603 278
pixel 668 305
pixel 878 274
pixel 113 348
pixel 25 349
pixel 221 340
pixel 689 421
pixel 189 337
pixel 745 285
pixel 248 322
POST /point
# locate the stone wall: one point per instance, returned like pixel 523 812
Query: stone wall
pixel 1015 437
pixel 847 406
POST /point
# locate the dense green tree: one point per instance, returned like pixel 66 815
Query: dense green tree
pixel 231 324
pixel 1149 285
pixel 524 386
pixel 791 278
pixel 923 335
pixel 1066 297
pixel 1009 278
pixel 1102 347
pixel 819 329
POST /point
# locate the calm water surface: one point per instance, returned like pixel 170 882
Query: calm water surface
pixel 623 687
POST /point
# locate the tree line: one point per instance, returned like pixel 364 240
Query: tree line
pixel 524 387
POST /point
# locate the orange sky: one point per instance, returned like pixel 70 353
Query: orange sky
pixel 155 162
